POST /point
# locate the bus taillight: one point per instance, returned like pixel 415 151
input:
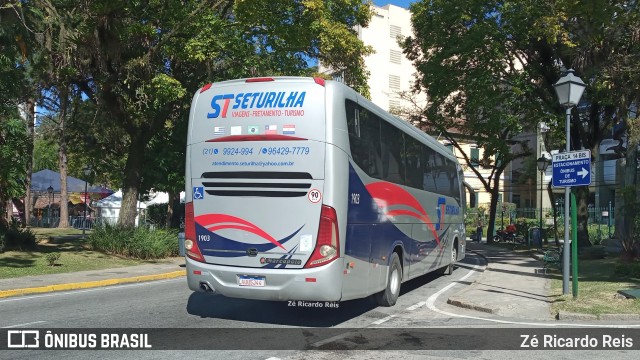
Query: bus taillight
pixel 328 243
pixel 190 243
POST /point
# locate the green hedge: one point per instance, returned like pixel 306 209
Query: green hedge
pixel 139 243
pixel 15 238
pixel 631 270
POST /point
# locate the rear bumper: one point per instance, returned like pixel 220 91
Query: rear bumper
pixel 318 284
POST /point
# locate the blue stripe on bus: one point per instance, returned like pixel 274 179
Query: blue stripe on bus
pixel 218 243
pixel 372 235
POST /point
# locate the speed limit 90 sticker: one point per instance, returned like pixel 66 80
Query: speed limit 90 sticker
pixel 314 195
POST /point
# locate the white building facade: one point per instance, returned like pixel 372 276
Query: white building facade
pixel 391 73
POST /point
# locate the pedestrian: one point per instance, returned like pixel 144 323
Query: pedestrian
pixel 479 230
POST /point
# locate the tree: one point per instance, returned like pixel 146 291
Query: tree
pixel 487 63
pixel 13 145
pixel 473 70
pixel 138 61
pixel 16 139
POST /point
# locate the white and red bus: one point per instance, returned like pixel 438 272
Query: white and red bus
pixel 302 189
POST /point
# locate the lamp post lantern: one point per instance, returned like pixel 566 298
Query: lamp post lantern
pixel 542 164
pixel 569 89
pixel 50 192
pixel 87 172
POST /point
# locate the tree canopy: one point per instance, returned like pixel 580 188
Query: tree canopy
pixel 488 69
pixel 122 73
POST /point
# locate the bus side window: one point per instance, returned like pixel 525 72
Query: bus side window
pixel 364 139
pixel 428 182
pixel 392 153
pixel 414 163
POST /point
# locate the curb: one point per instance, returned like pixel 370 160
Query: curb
pixel 564 315
pixel 467 305
pixel 90 284
pixel 459 302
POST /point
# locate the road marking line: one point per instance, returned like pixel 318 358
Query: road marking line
pixel 378 322
pixel 416 306
pixel 432 299
pixel 330 340
pixel 25 324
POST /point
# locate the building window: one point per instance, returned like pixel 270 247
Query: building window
pixel 449 147
pixel 395 31
pixel 395 56
pixel 394 82
pixel 394 104
pixel 475 157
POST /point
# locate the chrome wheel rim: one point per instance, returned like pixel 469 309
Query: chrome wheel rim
pixel 395 281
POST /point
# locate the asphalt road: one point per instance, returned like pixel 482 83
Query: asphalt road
pixel 170 304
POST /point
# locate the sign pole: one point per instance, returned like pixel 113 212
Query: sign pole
pixel 567 196
pixel 574 247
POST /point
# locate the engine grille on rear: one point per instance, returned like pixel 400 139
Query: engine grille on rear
pixel 256 183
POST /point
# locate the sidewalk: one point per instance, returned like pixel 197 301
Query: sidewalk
pixel 509 285
pixel 166 269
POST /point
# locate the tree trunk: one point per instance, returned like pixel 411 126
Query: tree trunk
pixel 627 199
pixel 492 212
pixel 62 162
pixel 132 181
pixel 64 195
pixel 582 201
pixel 30 115
pixel 170 206
pixel 8 211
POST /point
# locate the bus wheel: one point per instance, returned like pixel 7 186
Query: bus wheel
pixel 448 270
pixel 389 296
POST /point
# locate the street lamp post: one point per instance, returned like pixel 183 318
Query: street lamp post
pixel 542 167
pixel 87 172
pixel 569 89
pixel 50 191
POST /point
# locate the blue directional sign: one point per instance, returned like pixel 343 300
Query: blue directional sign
pixel 572 168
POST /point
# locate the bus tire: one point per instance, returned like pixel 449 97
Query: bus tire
pixel 389 295
pixel 448 270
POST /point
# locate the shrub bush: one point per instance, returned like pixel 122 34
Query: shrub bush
pixel 14 238
pixel 627 269
pixel 139 243
pixel 596 235
pixel 52 258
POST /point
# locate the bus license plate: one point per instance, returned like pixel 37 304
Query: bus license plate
pixel 247 280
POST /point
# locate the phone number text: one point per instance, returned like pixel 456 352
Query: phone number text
pixel 285 150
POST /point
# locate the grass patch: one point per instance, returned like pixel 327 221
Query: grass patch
pixel 75 255
pixel 19 263
pixel 598 285
pixel 45 234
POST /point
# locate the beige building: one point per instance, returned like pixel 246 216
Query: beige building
pixel 391 73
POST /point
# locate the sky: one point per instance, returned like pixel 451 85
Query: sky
pixel 400 3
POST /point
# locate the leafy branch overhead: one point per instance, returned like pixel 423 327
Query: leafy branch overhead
pixel 487 70
pixel 124 71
